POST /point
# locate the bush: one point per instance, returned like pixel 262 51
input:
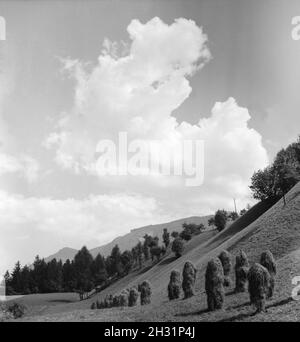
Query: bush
pixel 178 247
pixel 267 260
pixel 156 251
pixel 186 235
pixel 174 235
pixel 174 285
pixel 4 314
pixel 214 279
pixel 220 219
pixel 259 283
pixel 225 258
pixel 188 279
pixel 16 309
pixel 241 272
pixel 146 292
pixel 133 297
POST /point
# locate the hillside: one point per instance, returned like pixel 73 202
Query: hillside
pixel 278 229
pixel 63 254
pixel 127 241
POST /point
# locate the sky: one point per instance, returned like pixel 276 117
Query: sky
pixel 73 73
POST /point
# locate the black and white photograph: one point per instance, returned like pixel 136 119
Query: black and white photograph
pixel 149 163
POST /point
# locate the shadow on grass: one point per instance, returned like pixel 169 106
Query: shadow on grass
pixel 239 306
pixel 237 317
pixel 144 270
pixel 280 302
pixel 241 316
pixel 62 301
pixel 168 260
pixel 194 313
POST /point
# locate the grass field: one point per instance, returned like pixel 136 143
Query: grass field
pixel 278 229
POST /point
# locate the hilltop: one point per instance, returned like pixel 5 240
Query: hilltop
pixel 127 241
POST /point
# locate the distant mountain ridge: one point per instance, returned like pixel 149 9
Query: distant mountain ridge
pixel 130 239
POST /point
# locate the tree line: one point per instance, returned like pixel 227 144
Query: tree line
pixel 271 183
pixel 282 175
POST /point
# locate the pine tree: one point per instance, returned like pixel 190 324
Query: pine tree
pixel 16 281
pixel 139 250
pixel 83 261
pixel 99 270
pixel 69 276
pixel 166 237
pixel 117 267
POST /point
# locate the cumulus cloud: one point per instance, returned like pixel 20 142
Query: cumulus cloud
pixel 137 93
pixel 134 88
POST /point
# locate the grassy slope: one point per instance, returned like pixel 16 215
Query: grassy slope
pixel 278 230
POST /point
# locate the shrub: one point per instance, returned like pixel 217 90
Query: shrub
pixel 174 285
pixel 178 247
pixel 16 309
pixel 267 260
pixel 174 235
pixel 133 297
pixel 4 314
pixel 259 282
pixel 241 272
pixel 188 279
pixel 214 279
pixel 220 219
pixel 145 292
pixel 225 258
pixel 156 251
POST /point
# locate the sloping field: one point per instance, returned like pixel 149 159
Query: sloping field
pixel 278 229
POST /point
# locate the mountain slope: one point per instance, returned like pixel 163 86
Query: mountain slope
pixel 63 254
pixel 278 229
pixel 129 240
pixel 126 242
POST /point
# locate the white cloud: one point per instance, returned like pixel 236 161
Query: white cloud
pixel 10 162
pixel 79 219
pixel 136 90
pixel 24 165
pixel 137 93
pixel 47 224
